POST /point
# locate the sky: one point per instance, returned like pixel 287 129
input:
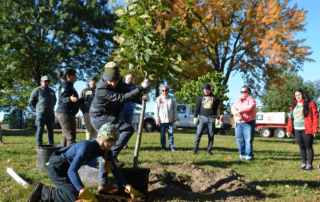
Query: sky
pixel 310 71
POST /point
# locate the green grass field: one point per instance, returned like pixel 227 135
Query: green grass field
pixel 275 168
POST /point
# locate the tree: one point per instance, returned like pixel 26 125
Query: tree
pixel 251 37
pixel 192 90
pixel 148 38
pixel 279 98
pixel 37 37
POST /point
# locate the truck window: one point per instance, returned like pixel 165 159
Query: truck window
pixel 259 117
pixel 181 109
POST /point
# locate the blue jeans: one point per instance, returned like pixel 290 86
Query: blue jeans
pixel 45 120
pixel 210 123
pixel 125 130
pixel 244 136
pixel 163 127
pixel 126 117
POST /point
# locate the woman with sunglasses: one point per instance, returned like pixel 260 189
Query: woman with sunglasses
pixel 68 106
pixel 244 115
pixel 305 126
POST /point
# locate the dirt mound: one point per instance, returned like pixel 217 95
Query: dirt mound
pixel 188 182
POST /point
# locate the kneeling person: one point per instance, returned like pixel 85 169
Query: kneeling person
pixel 64 164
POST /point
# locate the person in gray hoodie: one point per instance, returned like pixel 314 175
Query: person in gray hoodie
pixel 166 115
pixel 43 99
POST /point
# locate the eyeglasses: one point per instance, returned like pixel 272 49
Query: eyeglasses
pixel 165 90
pixel 243 92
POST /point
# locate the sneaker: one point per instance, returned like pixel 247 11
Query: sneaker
pixel 35 195
pixel 209 153
pixel 125 147
pixel 163 149
pixel 173 150
pixel 308 167
pixel 303 166
pixel 242 157
pixel 249 158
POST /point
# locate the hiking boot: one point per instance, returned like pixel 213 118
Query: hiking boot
pixel 209 152
pixel 194 151
pixel 35 195
pixel 120 164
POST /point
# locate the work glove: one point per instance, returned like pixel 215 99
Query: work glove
pixel 145 84
pixel 195 121
pixel 288 134
pixel 133 192
pixel 145 97
pixel 87 196
pixel 314 135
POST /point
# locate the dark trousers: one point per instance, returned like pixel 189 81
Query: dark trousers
pixel 68 126
pixel 210 123
pixel 305 143
pixel 125 130
pixel 57 169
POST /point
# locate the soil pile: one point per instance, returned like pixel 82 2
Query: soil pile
pixel 188 182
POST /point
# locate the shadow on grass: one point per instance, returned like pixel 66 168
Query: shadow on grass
pixel 18 132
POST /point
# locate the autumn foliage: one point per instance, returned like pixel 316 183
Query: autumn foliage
pixel 253 37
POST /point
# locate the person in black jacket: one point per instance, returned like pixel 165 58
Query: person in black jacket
pixel 68 106
pixel 111 94
pixel 207 107
pixel 87 94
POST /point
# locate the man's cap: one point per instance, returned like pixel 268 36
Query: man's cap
pixel 111 72
pixel 93 78
pixel 206 86
pixel 46 78
pixel 108 133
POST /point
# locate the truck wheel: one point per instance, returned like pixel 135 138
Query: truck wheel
pixel 265 132
pixel 149 126
pixel 280 133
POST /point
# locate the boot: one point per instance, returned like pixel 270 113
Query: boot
pixel 35 195
pixel 195 151
pixel 63 142
pixel 46 194
pixel 209 152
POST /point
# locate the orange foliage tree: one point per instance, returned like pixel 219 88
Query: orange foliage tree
pixel 252 37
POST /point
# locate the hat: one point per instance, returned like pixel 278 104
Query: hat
pixel 206 86
pixel 111 72
pixel 108 133
pixel 93 78
pixel 46 78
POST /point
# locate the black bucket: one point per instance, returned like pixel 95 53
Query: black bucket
pixel 44 152
pixel 138 178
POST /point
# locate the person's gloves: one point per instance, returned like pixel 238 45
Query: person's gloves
pixel 314 135
pixel 145 84
pixel 87 196
pixel 195 121
pixel 288 134
pixel 145 97
pixel 133 192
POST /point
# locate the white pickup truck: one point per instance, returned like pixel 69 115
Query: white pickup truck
pixel 185 120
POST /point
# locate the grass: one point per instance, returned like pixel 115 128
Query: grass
pixel 275 168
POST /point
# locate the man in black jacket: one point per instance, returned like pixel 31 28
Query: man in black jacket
pixel 207 107
pixel 111 94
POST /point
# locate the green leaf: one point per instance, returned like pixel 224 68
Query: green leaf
pixel 119 12
pixel 129 32
pixel 128 42
pixel 28 29
pixel 146 57
pixel 144 16
pixel 174 22
pixel 141 21
pixel 147 39
pixel 133 22
pixel 190 4
pixel 178 69
pixel 118 59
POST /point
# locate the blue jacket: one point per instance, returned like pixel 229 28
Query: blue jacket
pixel 129 106
pixel 83 152
pixel 43 100
pixel 65 105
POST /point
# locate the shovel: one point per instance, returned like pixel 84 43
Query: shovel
pixel 137 177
